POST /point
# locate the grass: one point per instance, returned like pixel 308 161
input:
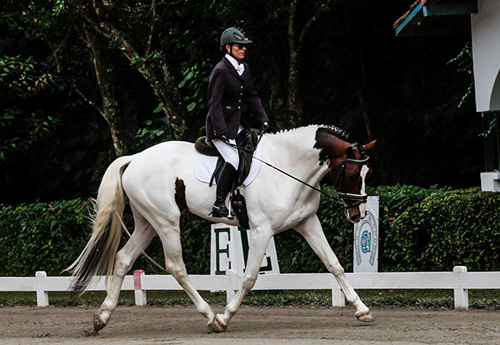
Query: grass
pixel 423 299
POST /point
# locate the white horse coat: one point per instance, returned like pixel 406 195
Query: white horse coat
pixel 161 180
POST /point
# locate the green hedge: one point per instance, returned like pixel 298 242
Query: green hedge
pixel 50 236
pixel 420 229
pixel 452 228
pixel 42 236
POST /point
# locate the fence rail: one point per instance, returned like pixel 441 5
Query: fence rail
pixel 460 281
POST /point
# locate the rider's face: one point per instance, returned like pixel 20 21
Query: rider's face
pixel 238 50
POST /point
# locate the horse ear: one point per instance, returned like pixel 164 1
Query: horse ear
pixel 369 146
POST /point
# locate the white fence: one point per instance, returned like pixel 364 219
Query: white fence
pixel 460 281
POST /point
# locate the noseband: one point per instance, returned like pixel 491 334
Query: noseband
pixel 343 196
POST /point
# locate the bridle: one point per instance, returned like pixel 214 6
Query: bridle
pixel 343 196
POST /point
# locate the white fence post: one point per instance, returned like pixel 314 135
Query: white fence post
pixel 232 285
pixel 460 281
pixel 461 295
pixel 338 297
pixel 140 294
pixel 42 296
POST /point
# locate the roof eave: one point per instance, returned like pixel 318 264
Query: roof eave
pixel 424 17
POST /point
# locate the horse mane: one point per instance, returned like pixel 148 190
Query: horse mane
pixel 330 129
pixel 323 138
pixel 339 133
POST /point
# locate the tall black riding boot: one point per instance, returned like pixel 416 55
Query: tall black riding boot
pixel 224 185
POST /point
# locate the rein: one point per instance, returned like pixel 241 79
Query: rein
pixel 341 196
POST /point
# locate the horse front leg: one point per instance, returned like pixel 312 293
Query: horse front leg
pixel 312 231
pixel 259 240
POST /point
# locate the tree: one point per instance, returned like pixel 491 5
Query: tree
pixel 126 25
pixel 296 41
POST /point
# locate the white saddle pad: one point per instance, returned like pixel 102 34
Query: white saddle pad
pixel 205 166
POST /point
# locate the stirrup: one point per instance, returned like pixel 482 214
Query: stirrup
pixel 221 212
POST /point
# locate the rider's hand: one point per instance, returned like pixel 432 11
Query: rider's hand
pixel 265 126
pixel 224 138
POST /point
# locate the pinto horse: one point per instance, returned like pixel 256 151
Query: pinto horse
pixel 160 181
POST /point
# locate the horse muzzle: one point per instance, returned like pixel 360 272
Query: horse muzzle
pixel 355 213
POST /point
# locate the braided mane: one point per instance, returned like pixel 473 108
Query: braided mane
pixel 339 133
pixel 330 129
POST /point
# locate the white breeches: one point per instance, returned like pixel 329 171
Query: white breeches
pixel 229 153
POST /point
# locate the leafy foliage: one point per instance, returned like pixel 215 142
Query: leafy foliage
pixel 420 229
pixel 41 236
pixel 451 228
pixel 353 66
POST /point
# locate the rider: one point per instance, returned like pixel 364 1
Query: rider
pixel 230 87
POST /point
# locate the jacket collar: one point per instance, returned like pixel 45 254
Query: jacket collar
pixel 232 69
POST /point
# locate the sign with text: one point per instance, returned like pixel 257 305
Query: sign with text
pixel 229 251
pixel 366 239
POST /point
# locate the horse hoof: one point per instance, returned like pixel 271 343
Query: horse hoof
pixel 217 326
pixel 98 323
pixel 365 317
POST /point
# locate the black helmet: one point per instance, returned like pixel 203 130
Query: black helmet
pixel 233 35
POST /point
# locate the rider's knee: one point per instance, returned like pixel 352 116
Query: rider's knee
pixel 234 161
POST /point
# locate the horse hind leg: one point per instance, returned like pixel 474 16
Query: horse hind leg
pixel 170 237
pixel 125 258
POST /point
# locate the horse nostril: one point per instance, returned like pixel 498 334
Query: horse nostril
pixel 355 218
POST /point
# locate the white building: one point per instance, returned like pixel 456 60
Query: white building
pixel 482 19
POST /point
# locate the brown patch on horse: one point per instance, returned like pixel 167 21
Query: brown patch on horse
pixel 180 194
pixel 332 142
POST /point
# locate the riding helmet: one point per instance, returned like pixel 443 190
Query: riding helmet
pixel 233 35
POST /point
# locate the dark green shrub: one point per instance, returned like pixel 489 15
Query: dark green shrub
pixel 295 255
pixel 460 227
pixel 420 229
pixel 394 201
pixel 50 236
pixel 42 236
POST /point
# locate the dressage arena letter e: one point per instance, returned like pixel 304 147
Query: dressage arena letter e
pixel 229 251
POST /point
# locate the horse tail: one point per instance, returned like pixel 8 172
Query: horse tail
pixel 98 256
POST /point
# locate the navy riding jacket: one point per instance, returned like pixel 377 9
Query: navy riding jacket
pixel 227 93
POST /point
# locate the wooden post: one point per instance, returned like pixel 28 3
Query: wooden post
pixel 461 295
pixel 42 296
pixel 140 294
pixel 338 297
pixel 232 285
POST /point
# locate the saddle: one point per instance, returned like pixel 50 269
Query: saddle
pixel 247 140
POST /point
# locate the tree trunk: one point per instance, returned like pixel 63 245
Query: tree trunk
pixel 296 39
pixel 294 96
pixel 365 112
pixel 109 109
pixel 158 76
